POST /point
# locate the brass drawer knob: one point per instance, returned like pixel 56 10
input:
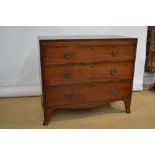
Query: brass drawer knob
pixel 67 75
pixel 112 91
pixel 113 71
pixel 67 55
pixel 115 53
pixel 68 95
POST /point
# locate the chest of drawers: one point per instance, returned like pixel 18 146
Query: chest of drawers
pixel 86 71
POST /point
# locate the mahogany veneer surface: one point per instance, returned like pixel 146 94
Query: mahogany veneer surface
pixel 84 72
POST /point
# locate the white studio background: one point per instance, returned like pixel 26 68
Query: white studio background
pixel 19 54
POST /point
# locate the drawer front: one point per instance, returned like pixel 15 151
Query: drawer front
pixel 87 73
pixel 87 94
pixel 52 56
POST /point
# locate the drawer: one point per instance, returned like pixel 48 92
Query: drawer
pixel 53 56
pixel 87 94
pixel 86 73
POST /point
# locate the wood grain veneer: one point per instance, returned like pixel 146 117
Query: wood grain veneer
pixel 86 72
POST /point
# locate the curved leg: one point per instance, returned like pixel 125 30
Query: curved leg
pixel 47 115
pixel 127 103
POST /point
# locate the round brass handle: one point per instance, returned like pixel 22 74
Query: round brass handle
pixel 112 91
pixel 68 95
pixel 67 75
pixel 67 55
pixel 115 53
pixel 113 71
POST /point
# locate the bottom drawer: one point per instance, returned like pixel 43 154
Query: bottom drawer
pixel 87 94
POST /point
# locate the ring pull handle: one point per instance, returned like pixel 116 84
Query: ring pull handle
pixel 67 75
pixel 115 53
pixel 67 55
pixel 68 95
pixel 112 91
pixel 113 71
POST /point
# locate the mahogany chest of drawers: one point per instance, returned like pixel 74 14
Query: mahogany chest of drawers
pixel 86 71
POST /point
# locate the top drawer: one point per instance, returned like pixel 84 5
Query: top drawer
pixel 66 55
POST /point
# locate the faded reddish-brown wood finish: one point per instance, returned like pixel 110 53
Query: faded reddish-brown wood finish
pixel 87 93
pixel 92 76
pixel 53 56
pixel 88 73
